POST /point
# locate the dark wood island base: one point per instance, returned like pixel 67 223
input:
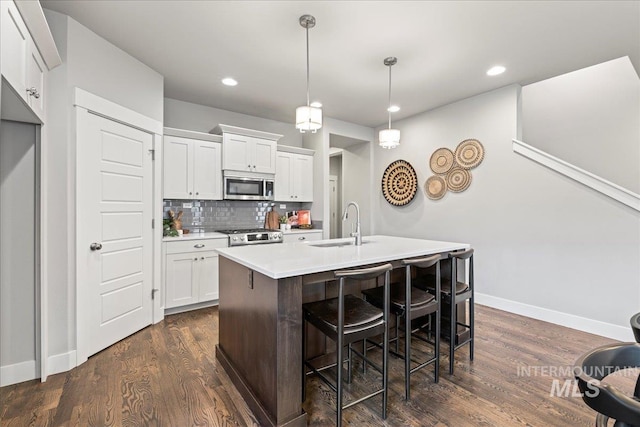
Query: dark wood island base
pixel 261 342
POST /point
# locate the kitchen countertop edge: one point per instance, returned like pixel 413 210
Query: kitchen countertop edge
pixel 195 236
pixel 302 258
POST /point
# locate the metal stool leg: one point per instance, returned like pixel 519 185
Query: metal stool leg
pixel 453 320
pixel 407 334
pixel 339 359
pixel 471 325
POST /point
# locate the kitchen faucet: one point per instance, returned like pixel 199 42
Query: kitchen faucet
pixel 356 233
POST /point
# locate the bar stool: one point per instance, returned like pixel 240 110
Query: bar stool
pixel 420 303
pixel 463 292
pixel 348 319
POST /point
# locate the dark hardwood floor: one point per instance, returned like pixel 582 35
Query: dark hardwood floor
pixel 167 375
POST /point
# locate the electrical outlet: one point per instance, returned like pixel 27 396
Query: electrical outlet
pixel 187 205
pixel 283 206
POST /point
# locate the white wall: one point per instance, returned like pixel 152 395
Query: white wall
pixel 546 246
pixel 200 118
pixel 95 65
pixel 589 118
pixel 356 161
pixel 17 252
pixel 321 142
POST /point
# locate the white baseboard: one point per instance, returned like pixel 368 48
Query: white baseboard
pixel 17 373
pixel 563 319
pixel 62 362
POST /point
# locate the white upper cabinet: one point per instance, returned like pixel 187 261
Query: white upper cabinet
pixel 192 168
pixel 15 44
pixel 294 175
pixel 248 150
pixel 23 68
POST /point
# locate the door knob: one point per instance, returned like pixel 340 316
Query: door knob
pixel 95 246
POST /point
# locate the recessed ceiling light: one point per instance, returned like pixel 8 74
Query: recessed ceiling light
pixel 494 71
pixel 316 104
pixel 228 81
pixel 393 109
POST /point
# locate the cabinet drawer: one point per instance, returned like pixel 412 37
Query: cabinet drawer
pixel 195 245
pixel 301 237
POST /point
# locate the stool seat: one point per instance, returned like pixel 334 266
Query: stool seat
pixel 358 314
pixel 427 282
pixel 419 297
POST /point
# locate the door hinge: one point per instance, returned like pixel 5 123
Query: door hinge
pixel 153 153
pixel 153 223
pixel 153 293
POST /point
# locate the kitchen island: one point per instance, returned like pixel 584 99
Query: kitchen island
pixel 262 289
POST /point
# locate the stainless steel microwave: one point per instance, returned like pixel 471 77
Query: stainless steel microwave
pixel 247 186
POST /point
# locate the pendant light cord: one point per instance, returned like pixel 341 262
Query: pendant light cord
pixel 307 28
pixel 389 109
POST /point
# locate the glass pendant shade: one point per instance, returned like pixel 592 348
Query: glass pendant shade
pixel 389 138
pixel 308 119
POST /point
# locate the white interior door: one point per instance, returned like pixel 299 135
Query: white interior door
pixel 114 232
pixel 334 220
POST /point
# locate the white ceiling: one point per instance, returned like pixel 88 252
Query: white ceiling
pixel 443 47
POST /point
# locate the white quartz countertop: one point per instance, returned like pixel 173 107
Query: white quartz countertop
pixel 297 259
pixel 195 236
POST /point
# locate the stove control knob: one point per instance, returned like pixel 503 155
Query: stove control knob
pixel 279 235
pixel 242 238
pixel 235 238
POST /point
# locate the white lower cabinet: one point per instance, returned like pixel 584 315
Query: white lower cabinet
pixel 302 236
pixel 191 271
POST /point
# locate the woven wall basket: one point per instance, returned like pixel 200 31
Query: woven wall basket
pixel 469 153
pixel 399 183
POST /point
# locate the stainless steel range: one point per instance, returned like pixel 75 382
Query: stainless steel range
pixel 252 236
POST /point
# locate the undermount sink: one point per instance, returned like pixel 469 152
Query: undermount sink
pixel 334 244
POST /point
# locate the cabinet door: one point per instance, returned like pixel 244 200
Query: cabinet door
pixel 15 45
pixel 207 170
pixel 264 156
pixel 180 282
pixel 208 276
pixel 302 178
pixel 284 168
pixel 35 80
pixel 177 174
pixel 236 152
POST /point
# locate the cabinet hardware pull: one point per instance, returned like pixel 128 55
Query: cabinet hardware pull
pixel 302 238
pixel 198 246
pixel 95 246
pixel 195 259
pixel 202 258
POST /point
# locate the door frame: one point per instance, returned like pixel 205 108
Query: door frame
pixel 85 102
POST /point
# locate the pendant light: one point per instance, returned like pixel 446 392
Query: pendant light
pixel 389 138
pixel 308 118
